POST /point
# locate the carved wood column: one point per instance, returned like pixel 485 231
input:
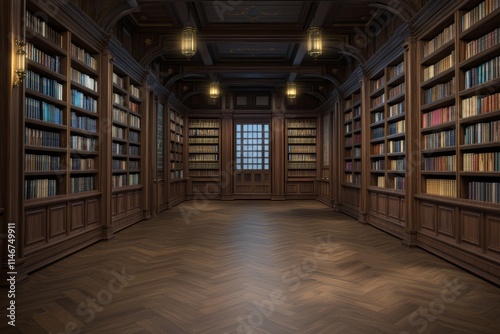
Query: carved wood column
pixel 278 150
pixel 226 150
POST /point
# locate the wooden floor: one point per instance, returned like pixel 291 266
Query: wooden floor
pixel 254 267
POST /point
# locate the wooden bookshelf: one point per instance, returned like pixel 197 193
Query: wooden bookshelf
pixel 204 157
pixel 458 194
pixel 351 168
pixel 302 160
pixel 176 146
pixel 61 150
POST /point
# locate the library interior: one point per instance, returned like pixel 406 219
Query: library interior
pixel 222 146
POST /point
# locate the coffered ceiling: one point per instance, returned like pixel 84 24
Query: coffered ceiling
pixel 249 44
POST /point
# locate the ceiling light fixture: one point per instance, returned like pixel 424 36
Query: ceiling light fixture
pixel 314 42
pixel 214 90
pixel 188 38
pixel 291 90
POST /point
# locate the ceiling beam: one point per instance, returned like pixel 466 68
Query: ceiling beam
pixel 255 68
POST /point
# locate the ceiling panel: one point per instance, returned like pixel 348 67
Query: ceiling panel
pixel 252 50
pixel 253 11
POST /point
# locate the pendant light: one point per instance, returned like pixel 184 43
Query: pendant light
pixel 314 42
pixel 188 38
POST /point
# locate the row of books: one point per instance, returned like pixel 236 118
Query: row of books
pixel 439 91
pixel 352 178
pixel 174 127
pixel 83 56
pixel 51 62
pixel 203 157
pixel 203 149
pixel 348 116
pixel 35 23
pixel 301 149
pixel 483 73
pixel 38 83
pixel 481 162
pixel 298 140
pixel 117 80
pixel 204 132
pixel 397 70
pixel 447 35
pixel 81 184
pixel 177 138
pixel 83 122
pixel 177 175
pixel 83 79
pixel 438 116
pixel 301 132
pixel 176 165
pixel 477 105
pixel 348 128
pixel 397 146
pixel 301 123
pixel 399 183
pixel 301 165
pixel 39 188
pixel 482 133
pixel 378 164
pixel 118 99
pixel 43 111
pixel 176 147
pixel 133 150
pixel 135 121
pixel 134 107
pixel 134 165
pixel 378 149
pixel 133 136
pixel 202 140
pixel 439 139
pixel 80 100
pixel 176 117
pixel 119 180
pixel 203 165
pixel 397 109
pixel 378 83
pixel 120 115
pixel 82 143
pixel 398 164
pixel 41 162
pixel 35 137
pixel 441 187
pixel 353 153
pixel 82 164
pixel 377 117
pixel 301 157
pixel 119 148
pixel 357 111
pixel 357 125
pixel 118 132
pixel 353 165
pixel 378 133
pixel 483 43
pixel 484 191
pixel 133 179
pixel 443 65
pixel 441 163
pixel 378 101
pixel 135 91
pixel 478 13
pixel 398 127
pixel 397 90
pixel 380 181
pixel 204 123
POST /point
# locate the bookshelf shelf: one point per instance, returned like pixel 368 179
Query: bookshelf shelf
pixel 176 146
pixel 301 139
pixel 352 141
pixel 443 102
pixel 443 77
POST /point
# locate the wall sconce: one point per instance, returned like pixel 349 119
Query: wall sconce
pixel 291 90
pixel 314 42
pixel 214 90
pixel 20 62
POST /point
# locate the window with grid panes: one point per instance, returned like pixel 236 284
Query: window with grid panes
pixel 252 146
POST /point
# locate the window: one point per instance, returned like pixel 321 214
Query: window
pixel 252 146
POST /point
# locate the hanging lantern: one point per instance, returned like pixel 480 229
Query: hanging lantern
pixel 314 42
pixel 188 41
pixel 291 90
pixel 214 90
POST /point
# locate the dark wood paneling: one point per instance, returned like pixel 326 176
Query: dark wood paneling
pixel 77 215
pixel 93 209
pixel 121 204
pixel 57 217
pixel 493 235
pixel 114 205
pixel 470 228
pixel 382 204
pixel 36 227
pixel 446 221
pixel 373 203
pixel 394 210
pixel 427 216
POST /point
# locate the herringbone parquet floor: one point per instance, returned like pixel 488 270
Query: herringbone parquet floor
pixel 254 267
